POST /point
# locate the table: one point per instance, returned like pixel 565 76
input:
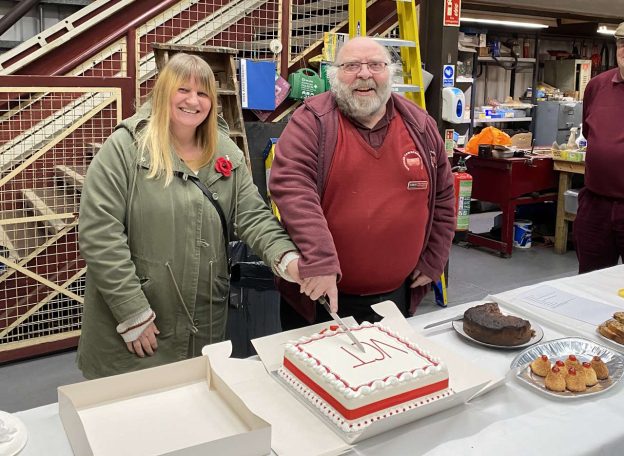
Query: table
pixel 509 182
pixel 511 418
pixel 566 169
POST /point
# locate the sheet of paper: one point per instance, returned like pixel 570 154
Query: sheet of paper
pixel 567 304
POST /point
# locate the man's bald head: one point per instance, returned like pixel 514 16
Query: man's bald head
pixel 361 43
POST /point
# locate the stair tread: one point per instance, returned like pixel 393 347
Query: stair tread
pixel 309 21
pixel 39 201
pixel 7 248
pixel 24 236
pixel 72 175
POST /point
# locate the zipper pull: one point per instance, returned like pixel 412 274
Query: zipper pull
pixel 434 159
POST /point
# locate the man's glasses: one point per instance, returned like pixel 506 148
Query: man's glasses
pixel 355 67
pixel 619 43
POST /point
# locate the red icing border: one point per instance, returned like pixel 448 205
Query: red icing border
pixel 366 409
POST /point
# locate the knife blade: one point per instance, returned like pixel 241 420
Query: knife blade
pixel 341 323
pixel 441 322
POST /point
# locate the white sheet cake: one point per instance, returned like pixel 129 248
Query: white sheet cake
pixel 354 389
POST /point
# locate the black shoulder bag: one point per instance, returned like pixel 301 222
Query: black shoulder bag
pixel 206 191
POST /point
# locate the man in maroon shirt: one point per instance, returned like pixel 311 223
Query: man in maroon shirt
pixel 365 190
pixel 599 224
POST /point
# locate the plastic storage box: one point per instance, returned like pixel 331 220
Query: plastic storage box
pixel 571 200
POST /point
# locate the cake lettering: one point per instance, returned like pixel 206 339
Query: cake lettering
pixel 374 344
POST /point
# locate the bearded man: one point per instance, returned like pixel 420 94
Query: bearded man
pixel 364 189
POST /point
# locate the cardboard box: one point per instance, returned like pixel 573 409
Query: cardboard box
pixel 183 408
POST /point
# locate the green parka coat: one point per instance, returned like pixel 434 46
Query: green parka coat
pixel 150 245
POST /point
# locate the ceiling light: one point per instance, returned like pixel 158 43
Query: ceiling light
pixel 532 25
pixel 606 31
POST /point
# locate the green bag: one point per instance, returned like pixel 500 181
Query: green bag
pixel 304 83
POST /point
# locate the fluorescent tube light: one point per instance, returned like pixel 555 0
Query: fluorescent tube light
pixel 532 25
pixel 606 31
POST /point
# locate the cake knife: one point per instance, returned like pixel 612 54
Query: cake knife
pixel 441 322
pixel 341 323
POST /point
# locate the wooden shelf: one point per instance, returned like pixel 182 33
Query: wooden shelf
pixel 506 59
pixel 405 88
pixel 506 119
pixel 465 80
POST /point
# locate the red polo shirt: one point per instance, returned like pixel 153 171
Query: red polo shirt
pixel 376 206
pixel 603 127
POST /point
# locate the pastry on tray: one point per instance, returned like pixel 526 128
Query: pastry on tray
pixel 541 366
pixel 555 380
pixel 590 374
pixel 602 370
pixel 569 374
pixel 561 365
pixel 575 380
pixel 571 361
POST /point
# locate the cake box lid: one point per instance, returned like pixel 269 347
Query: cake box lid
pixel 465 379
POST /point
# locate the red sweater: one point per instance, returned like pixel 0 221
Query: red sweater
pixel 303 157
pixel 603 127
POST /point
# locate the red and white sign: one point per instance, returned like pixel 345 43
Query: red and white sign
pixel 451 13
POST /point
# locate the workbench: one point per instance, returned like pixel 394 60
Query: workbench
pixel 566 169
pixel 509 182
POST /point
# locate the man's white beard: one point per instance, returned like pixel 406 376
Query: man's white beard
pixel 361 108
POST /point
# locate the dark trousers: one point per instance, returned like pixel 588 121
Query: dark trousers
pixel 598 231
pixel 357 306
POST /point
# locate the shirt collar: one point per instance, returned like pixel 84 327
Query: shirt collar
pixel 384 121
pixel 617 77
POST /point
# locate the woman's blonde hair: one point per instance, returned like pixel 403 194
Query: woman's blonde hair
pixel 156 138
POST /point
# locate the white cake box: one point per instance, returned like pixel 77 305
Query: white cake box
pixel 298 429
pixel 183 408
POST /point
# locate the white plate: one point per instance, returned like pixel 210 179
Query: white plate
pixel 559 349
pixel 538 334
pixel 18 437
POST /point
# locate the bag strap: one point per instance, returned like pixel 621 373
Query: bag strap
pixel 206 191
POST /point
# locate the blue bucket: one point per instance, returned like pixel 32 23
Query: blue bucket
pixel 522 234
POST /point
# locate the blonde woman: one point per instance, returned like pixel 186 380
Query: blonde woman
pixel 159 202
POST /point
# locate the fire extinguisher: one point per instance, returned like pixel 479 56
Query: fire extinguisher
pixel 463 189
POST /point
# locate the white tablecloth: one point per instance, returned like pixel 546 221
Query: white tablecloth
pixel 511 420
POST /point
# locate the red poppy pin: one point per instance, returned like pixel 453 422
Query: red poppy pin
pixel 223 166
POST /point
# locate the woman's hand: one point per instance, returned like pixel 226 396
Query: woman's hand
pixel 293 270
pixel 146 343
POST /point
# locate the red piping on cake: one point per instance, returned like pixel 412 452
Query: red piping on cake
pixel 366 409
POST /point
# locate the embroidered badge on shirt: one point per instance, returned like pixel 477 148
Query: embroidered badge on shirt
pixel 412 159
pixel 417 185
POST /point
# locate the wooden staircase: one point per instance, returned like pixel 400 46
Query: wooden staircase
pixel 41 274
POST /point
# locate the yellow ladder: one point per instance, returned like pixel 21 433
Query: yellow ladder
pixel 409 43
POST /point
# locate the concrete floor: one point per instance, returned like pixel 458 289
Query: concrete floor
pixel 473 274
